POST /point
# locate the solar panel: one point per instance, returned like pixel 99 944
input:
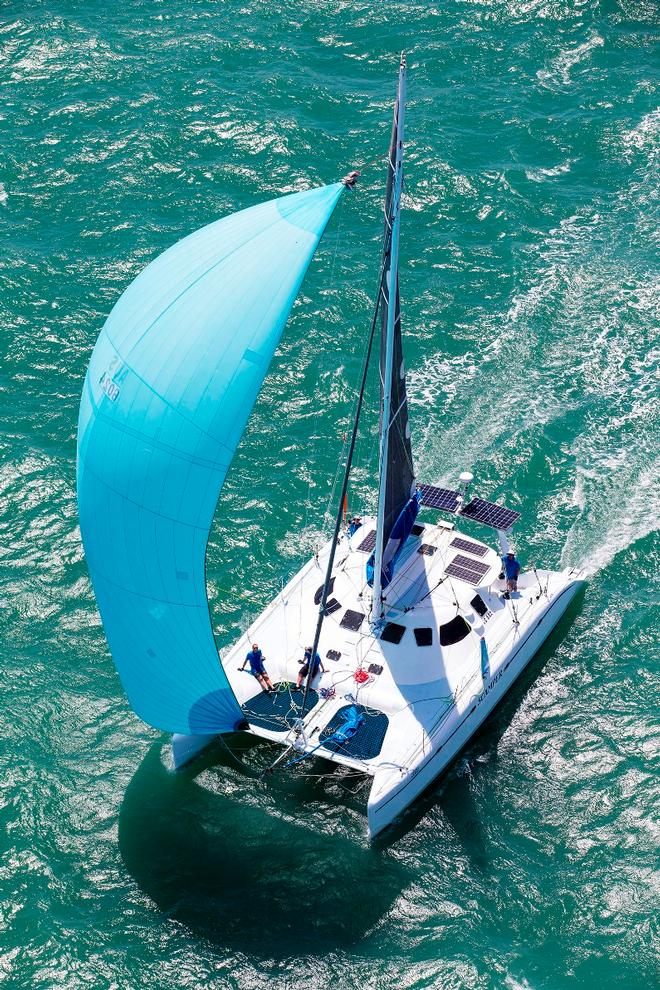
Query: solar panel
pixel 476 548
pixel 439 498
pixel 462 573
pixel 331 606
pixel 369 542
pixel 490 514
pixel 466 569
pixel 472 565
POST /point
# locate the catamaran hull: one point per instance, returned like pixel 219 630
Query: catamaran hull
pixel 187 748
pixel 390 803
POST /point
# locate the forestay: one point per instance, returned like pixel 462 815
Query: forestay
pixel 170 386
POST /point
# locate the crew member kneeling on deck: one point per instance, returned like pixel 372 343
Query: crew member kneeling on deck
pixel 256 660
pixel 304 670
pixel 511 566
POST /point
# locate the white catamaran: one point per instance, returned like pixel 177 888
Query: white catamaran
pixel 418 637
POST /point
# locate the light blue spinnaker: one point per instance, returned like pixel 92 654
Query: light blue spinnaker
pixel 170 386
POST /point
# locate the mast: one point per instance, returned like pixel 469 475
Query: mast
pixel 344 488
pixel 389 318
pixel 391 334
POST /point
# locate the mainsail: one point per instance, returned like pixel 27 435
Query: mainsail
pixel 399 475
pixel 396 465
pixel 169 389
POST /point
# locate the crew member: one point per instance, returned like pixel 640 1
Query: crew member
pixel 511 567
pixel 256 660
pixel 304 670
pixel 354 525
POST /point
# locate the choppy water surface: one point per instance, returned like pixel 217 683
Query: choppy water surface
pixel 530 287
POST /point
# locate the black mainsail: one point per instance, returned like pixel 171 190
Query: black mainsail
pixel 397 474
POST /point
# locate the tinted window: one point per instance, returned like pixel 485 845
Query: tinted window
pixel 454 631
pixel 319 591
pixel 479 605
pixel 424 637
pixel 393 633
pixel 352 620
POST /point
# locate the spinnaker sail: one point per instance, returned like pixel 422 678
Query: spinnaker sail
pixel 170 386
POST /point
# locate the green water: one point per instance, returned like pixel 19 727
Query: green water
pixel 530 295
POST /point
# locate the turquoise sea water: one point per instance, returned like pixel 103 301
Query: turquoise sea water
pixel 530 296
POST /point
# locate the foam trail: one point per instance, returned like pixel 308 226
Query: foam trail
pixel 598 536
pixel 561 402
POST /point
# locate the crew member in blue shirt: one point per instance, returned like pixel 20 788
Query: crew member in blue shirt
pixel 304 670
pixel 354 525
pixel 511 566
pixel 256 660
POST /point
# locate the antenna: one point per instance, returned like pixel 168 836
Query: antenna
pixel 465 479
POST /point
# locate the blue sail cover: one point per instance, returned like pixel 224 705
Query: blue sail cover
pixel 401 530
pixel 169 389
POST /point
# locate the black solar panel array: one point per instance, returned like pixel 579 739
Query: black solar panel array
pixel 478 509
pixel 476 548
pixel 462 573
pixel 369 542
pixel 490 514
pixel 439 498
pixel 466 569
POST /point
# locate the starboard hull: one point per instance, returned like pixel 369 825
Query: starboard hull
pixel 388 803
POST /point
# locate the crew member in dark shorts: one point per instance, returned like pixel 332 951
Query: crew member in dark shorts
pixel 256 660
pixel 511 567
pixel 304 670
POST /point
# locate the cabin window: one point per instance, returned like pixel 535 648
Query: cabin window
pixel 352 620
pixel 424 637
pixel 393 633
pixel 319 591
pixel 454 631
pixel 479 605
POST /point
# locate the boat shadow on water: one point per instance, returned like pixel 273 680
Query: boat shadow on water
pixel 270 869
pixel 225 856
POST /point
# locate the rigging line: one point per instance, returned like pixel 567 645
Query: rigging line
pixel 347 471
pixel 434 588
pixel 319 410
